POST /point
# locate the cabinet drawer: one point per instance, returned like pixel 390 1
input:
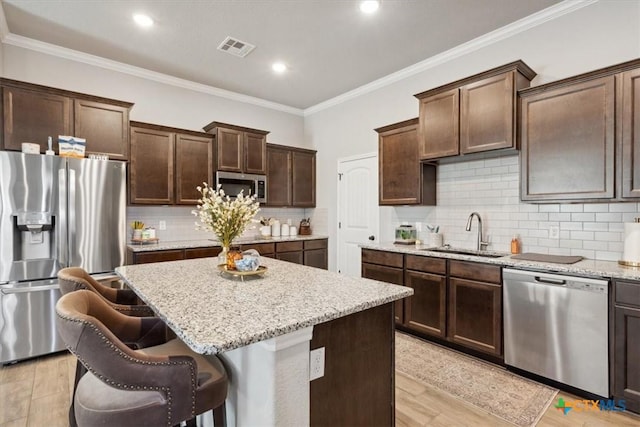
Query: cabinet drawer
pixel 262 248
pixel 383 274
pixel 202 252
pixel 391 259
pixel 288 246
pixel 315 244
pixel 628 293
pixel 159 256
pixel 426 264
pixel 475 271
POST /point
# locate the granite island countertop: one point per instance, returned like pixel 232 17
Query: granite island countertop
pixel 203 243
pixel 213 313
pixel 586 267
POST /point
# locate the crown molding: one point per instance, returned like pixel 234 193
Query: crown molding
pixel 502 33
pixel 97 61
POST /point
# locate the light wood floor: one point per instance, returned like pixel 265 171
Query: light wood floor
pixel 36 393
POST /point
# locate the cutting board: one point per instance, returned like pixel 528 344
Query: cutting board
pixel 556 259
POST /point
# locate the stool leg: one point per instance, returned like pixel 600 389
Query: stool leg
pixel 220 416
pixel 192 422
pixel 80 371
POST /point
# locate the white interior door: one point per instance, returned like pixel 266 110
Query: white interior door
pixel 358 212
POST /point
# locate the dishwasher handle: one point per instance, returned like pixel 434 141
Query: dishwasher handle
pixel 549 281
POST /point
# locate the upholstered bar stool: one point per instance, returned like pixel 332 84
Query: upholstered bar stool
pixel 124 300
pixel 156 386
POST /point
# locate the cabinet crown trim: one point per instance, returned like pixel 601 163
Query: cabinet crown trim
pixel 291 148
pixel 398 125
pixel 168 129
pixel 518 66
pixel 69 94
pixel 584 77
pixel 214 125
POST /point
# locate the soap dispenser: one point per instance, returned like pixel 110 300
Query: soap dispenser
pixel 515 244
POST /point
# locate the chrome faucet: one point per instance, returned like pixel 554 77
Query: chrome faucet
pixel 480 242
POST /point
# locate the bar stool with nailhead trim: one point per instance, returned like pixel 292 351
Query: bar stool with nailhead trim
pixel 155 386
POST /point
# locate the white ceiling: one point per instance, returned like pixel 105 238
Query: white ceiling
pixel 329 45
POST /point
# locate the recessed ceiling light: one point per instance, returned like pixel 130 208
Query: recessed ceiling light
pixel 369 6
pixel 279 67
pixel 143 20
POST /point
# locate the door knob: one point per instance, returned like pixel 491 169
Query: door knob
pixel 372 237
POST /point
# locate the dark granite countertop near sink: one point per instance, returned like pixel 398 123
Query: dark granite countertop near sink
pixel 586 267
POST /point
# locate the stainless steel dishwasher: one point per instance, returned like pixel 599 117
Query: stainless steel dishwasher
pixel 556 326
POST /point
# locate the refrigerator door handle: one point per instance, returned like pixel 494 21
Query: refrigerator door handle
pixel 72 213
pixel 63 234
pixel 9 291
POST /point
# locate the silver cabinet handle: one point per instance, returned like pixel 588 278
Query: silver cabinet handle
pixel 24 290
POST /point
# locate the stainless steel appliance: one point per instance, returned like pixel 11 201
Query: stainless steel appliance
pixel 556 326
pixel 54 212
pixel 232 183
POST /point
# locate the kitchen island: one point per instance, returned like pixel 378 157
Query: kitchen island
pixel 264 327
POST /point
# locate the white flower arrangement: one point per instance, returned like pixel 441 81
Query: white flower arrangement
pixel 227 218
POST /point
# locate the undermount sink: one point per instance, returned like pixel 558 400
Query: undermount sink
pixel 484 254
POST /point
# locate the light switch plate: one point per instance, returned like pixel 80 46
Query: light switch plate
pixel 162 225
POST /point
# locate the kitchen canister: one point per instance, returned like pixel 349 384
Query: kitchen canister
pixel 631 254
pixel 275 229
pixel 435 240
pixel 284 230
pixel 293 230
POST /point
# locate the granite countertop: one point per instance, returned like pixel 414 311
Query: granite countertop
pixel 586 267
pixel 184 244
pixel 213 313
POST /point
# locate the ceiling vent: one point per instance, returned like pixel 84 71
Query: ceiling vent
pixel 236 47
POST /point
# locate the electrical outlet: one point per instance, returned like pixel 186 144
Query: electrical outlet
pixel 162 225
pixel 316 363
pixel 554 232
pixel 418 227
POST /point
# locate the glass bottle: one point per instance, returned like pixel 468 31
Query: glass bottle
pixel 515 245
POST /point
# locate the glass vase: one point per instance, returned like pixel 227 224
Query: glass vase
pixel 222 256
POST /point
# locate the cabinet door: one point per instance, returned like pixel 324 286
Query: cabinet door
pixel 295 257
pixel 568 142
pixel 426 310
pixel 194 165
pixel 230 145
pixel 630 179
pixel 399 167
pixel 32 116
pixel 316 258
pixel 278 176
pixel 151 171
pixel 104 126
pixel 475 315
pixel 487 114
pixel 255 153
pixel 439 125
pixel 626 362
pixel 303 179
pixel 389 275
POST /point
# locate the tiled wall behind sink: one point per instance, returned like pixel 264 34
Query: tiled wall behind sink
pixel 491 188
pixel 181 223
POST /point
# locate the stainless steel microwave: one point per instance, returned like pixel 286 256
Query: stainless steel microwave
pixel 233 182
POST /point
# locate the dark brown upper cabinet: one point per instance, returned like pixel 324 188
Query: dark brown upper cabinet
pixel 167 164
pixel 291 176
pixel 472 115
pixel 239 149
pixel 402 178
pixel 579 139
pixel 32 113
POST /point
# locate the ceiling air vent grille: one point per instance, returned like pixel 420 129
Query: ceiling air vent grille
pixel 236 47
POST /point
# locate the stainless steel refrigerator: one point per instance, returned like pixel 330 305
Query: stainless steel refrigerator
pixel 54 212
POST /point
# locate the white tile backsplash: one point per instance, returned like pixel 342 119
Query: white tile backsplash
pixel 491 188
pixel 181 222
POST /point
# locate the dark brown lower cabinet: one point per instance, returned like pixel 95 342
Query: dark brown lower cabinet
pixel 156 256
pixel 358 386
pixel 626 377
pixel 475 315
pixel 385 267
pixel 426 310
pixel 192 253
pixel 296 257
